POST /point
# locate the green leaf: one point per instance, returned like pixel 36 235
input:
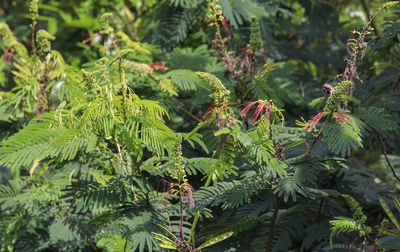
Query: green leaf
pixel 167 231
pixel 192 229
pixel 342 224
pixel 397 203
pixel 215 240
pixel 99 176
pixel 165 241
pixel 294 144
pixel 112 243
pixel 167 246
pixel 389 213
pixel 222 131
pixel 387 232
pixel 343 136
pixel 185 80
pixel 317 102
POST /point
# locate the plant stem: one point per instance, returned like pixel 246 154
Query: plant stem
pixel 366 10
pixel 386 157
pixel 181 214
pixel 317 136
pixel 34 49
pixel 185 111
pixel 123 165
pixel 120 156
pixel 125 245
pixel 314 219
pixel 124 88
pixel 273 223
pixel 42 95
pixel 92 245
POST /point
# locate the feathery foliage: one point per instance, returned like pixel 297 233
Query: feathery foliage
pixel 178 125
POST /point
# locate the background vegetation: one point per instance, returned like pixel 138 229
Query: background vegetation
pixel 199 125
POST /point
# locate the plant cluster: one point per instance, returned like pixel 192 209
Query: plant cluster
pixel 178 125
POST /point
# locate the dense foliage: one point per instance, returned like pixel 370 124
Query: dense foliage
pixel 195 125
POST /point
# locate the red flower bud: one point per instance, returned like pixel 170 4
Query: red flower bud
pixel 96 35
pixel 159 66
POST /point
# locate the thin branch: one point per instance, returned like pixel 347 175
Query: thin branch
pixel 301 89
pixel 92 245
pixel 366 10
pixel 273 223
pixel 381 141
pixel 182 234
pixel 315 217
pixel 123 165
pixel 185 111
pixel 396 85
pixel 120 156
pixel 317 137
pixel 353 243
